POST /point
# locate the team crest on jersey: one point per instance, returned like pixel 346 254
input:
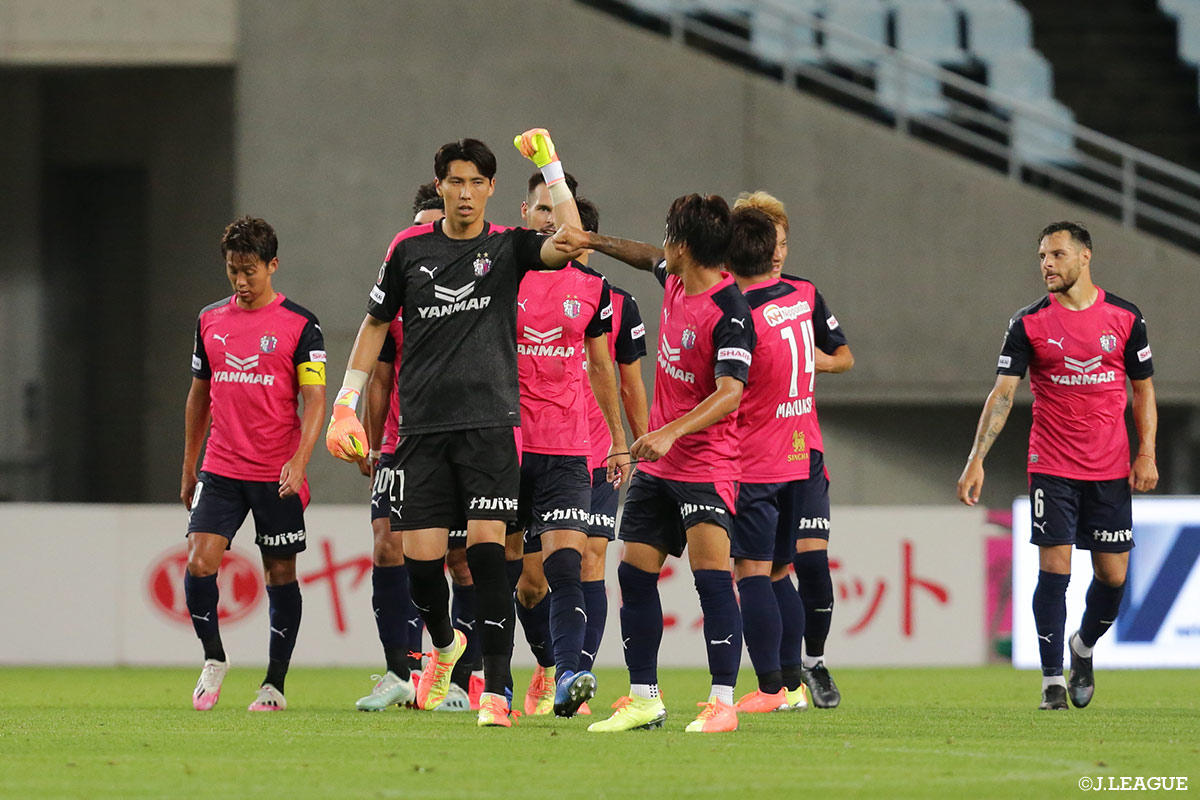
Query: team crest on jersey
pixel 268 343
pixel 1108 342
pixel 483 265
pixel 572 306
pixel 688 338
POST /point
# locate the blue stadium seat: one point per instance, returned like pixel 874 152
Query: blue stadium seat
pixel 867 18
pixel 996 26
pixel 777 39
pixel 1187 15
pixel 1038 141
pixel 928 29
pixel 1022 75
pixel 922 94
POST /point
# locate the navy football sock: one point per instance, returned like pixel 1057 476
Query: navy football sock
pixel 536 624
pixel 1103 604
pixel 722 624
pixel 763 630
pixel 1050 619
pixel 641 622
pixel 513 570
pixel 201 595
pixel 791 644
pixel 494 603
pixel 595 603
pixel 389 599
pixel 462 612
pixel 431 596
pixel 816 592
pixel 568 618
pixel 284 606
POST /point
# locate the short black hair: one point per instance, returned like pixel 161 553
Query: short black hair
pixel 250 236
pixel 1079 234
pixel 536 180
pixel 752 243
pixel 703 224
pixel 471 150
pixel 589 215
pixel 427 199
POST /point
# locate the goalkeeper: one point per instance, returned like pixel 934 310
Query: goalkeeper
pixel 455 283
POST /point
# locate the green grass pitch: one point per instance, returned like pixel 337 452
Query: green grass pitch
pixel 900 733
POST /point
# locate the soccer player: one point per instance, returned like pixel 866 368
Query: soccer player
pixel 1079 344
pixel 456 283
pixel 806 617
pixel 564 316
pixel 684 492
pixel 396 618
pixel 626 348
pixel 254 353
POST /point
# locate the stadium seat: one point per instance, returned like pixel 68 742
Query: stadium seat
pixel 867 18
pixel 996 27
pixel 1187 17
pixel 927 29
pixel 774 38
pixel 922 94
pixel 1021 75
pixel 1037 141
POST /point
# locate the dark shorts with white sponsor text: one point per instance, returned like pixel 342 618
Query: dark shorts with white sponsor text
pixel 442 479
pixel 761 532
pixel 220 505
pixel 807 506
pixel 604 506
pixel 1092 515
pixel 556 495
pixel 659 512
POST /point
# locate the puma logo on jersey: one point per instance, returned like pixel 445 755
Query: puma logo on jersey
pixel 522 303
pixel 740 322
pixel 428 271
pixel 1059 342
pixel 221 339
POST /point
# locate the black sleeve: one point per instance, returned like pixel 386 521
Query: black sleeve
pixel 827 331
pixel 200 365
pixel 631 339
pixel 1138 362
pixel 387 295
pixel 311 346
pixel 660 272
pixel 1017 352
pixel 388 351
pixel 527 249
pixel 733 342
pixel 602 320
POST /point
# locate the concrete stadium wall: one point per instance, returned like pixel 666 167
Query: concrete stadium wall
pixel 922 255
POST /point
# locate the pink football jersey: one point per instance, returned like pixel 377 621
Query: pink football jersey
pixel 626 344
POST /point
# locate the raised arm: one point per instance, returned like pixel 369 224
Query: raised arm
pixel 536 145
pixel 995 413
pixel 638 255
pixel 1143 473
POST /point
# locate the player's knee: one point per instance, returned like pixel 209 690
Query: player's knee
pixel 456 562
pixel 563 567
pixel 514 546
pixel 747 568
pixel 530 590
pixel 279 571
pixel 389 548
pixel 592 568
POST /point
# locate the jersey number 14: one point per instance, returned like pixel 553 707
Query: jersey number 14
pixel 810 355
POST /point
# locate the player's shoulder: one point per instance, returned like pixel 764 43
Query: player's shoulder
pixel 619 292
pixel 414 232
pixel 758 297
pixel 217 308
pixel 1038 306
pixel 291 306
pixel 730 300
pixel 584 269
pixel 796 280
pixel 1121 303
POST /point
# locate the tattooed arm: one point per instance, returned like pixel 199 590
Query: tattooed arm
pixel 991 422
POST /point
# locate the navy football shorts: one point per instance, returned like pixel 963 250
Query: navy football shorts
pixel 556 494
pixel 603 524
pixel 220 505
pixel 1092 515
pixel 659 512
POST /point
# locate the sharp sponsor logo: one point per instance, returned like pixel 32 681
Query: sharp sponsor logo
pixel 1113 536
pixel 640 331
pixel 794 408
pixel 196 362
pixel 493 504
pixel 243 364
pixel 561 514
pixel 831 323
pixel 317 356
pixel 1144 353
pixel 280 539
pixel 776 314
pixel 606 312
pixel 734 354
pixel 1005 362
pixel 377 295
pixel 459 299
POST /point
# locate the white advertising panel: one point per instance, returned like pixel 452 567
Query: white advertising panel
pixel 1159 622
pixel 104 585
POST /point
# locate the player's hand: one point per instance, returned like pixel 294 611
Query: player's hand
pixel 1143 476
pixel 571 240
pixel 367 467
pixel 345 438
pixel 970 483
pixel 291 477
pixel 617 465
pixel 187 487
pixel 536 145
pixel 653 445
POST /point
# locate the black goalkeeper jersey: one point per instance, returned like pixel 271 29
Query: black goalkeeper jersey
pixel 458 366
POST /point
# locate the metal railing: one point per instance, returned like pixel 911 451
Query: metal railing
pixel 1029 141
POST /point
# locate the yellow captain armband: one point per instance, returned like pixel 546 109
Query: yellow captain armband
pixel 311 373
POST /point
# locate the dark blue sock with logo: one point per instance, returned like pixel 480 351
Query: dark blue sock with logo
pixel 389 600
pixel 816 593
pixel 284 605
pixel 763 630
pixel 201 595
pixel 722 624
pixel 462 614
pixel 791 641
pixel 1103 605
pixel 1050 619
pixel 536 624
pixel 568 618
pixel 641 622
pixel 595 603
